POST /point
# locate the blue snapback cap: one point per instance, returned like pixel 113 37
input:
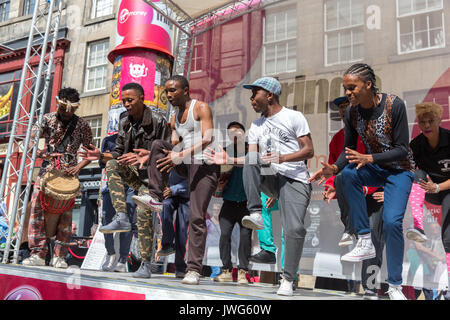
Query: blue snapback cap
pixel 267 83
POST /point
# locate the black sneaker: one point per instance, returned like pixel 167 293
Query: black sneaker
pixel 166 251
pixel 263 256
pixel 179 274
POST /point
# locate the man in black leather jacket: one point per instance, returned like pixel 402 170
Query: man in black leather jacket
pixel 136 134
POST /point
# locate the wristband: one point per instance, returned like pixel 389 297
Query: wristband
pixel 437 188
pixel 101 157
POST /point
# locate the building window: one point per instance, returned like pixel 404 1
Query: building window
pixel 280 42
pixel 97 65
pixel 28 7
pixel 96 127
pixel 420 25
pixel 344 31
pixel 197 55
pixel 101 8
pixel 4 10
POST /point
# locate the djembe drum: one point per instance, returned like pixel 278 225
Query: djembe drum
pixel 57 195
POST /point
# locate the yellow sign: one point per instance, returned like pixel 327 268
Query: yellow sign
pixel 5 103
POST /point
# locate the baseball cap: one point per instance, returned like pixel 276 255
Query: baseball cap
pixel 339 100
pixel 267 83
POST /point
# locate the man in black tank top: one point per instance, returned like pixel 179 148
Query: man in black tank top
pixel 202 177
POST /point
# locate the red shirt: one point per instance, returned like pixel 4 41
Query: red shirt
pixel 337 145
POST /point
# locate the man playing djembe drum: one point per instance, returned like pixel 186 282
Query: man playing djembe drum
pixel 64 133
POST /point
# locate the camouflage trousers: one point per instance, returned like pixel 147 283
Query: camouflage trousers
pixel 118 177
pixel 37 237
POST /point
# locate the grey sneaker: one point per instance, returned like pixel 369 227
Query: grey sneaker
pixel 346 240
pixel 34 260
pixel 119 224
pixel 143 271
pixel 109 263
pixel 121 267
pixel 147 202
pixel 253 221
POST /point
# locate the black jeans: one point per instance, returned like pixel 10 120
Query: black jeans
pixel 230 214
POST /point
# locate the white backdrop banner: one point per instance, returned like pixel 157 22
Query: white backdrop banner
pixel 424 264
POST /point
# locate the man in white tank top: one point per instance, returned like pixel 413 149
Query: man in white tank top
pixel 191 126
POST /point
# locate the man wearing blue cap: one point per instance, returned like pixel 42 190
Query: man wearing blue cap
pixel 279 143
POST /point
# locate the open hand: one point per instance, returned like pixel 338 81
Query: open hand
pixel 216 157
pixel 360 159
pixel 323 173
pixel 142 156
pixel 171 159
pixel 329 193
pixel 90 153
pixel 428 185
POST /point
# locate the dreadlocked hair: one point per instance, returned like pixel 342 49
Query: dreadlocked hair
pixel 365 73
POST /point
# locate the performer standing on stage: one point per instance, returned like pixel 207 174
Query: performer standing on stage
pixel 380 120
pixel 192 126
pixel 137 133
pixel 279 143
pixel 63 132
pixel 431 150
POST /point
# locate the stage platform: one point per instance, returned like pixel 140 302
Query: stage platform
pixel 22 282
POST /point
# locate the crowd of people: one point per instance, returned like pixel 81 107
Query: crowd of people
pixel 157 169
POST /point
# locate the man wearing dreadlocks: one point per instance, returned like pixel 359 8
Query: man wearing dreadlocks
pixel 381 122
pixel 64 133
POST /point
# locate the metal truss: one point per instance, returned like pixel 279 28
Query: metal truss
pixel 30 106
pixel 188 27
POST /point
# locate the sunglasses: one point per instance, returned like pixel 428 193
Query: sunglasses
pixel 67 106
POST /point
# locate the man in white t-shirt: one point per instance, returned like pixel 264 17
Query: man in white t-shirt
pixel 279 143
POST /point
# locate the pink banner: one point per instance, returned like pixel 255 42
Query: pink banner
pixel 139 66
pixel 22 288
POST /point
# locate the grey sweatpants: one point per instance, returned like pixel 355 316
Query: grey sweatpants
pixel 293 199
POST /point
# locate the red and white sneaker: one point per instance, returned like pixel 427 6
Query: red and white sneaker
pixel 147 202
pixel 363 250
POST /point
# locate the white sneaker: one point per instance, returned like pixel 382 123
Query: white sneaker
pixel 286 288
pixel 191 277
pixel 34 260
pixel 242 278
pixel 58 262
pixel 110 262
pixel 416 235
pixel 253 221
pixel 346 240
pixel 121 267
pixel 363 250
pixel 395 293
pixel 147 202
